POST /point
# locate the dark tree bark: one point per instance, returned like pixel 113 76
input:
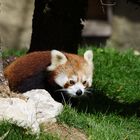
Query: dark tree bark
pixel 57 25
pixel 137 2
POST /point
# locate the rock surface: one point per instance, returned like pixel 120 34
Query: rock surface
pixel 46 107
pixel 20 112
pixel 39 108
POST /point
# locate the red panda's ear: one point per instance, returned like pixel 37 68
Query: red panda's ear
pixel 88 56
pixel 57 58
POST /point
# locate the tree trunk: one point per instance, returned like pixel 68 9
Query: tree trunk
pixel 57 25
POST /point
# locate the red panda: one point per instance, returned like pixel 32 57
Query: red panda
pixel 53 71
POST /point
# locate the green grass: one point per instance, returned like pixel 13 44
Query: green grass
pixel 13 132
pixel 13 52
pixel 102 126
pixel 10 131
pixel 112 111
pixel 117 74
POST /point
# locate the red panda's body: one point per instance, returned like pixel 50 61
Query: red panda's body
pixel 26 67
pixel 50 70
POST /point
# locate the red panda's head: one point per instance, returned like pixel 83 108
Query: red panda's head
pixel 71 72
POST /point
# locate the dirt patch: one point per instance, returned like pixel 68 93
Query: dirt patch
pixel 65 132
pixel 6 93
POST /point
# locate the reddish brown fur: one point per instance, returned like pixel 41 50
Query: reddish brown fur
pixel 75 63
pixel 26 66
pixel 33 63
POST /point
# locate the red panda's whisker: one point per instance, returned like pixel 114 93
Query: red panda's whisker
pixel 63 97
pixel 86 91
pixel 60 90
pixel 89 89
pixel 69 102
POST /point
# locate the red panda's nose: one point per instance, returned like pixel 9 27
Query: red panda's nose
pixel 79 92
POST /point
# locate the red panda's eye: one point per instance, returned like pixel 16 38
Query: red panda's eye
pixel 71 82
pixel 84 82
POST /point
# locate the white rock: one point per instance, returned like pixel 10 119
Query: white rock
pixel 39 108
pixel 19 111
pixel 46 107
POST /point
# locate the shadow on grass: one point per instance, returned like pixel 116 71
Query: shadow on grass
pixel 99 102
